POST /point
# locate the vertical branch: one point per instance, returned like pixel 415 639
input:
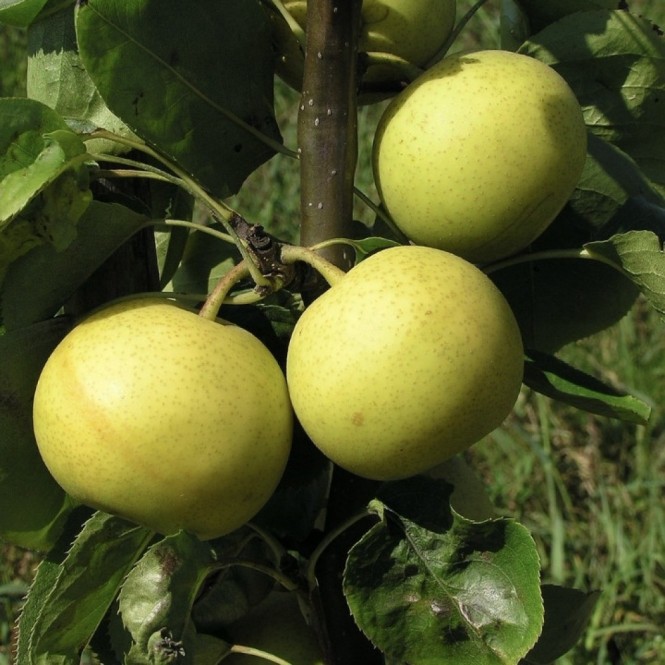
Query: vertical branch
pixel 327 123
pixel 328 146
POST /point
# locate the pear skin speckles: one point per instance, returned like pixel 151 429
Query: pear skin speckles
pixel 151 412
pixel 479 154
pixel 411 357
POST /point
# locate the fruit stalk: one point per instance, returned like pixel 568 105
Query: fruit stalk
pixel 330 272
pixel 210 309
pixel 459 27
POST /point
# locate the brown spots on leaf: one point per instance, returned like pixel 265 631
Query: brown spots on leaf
pixel 169 562
pixel 135 102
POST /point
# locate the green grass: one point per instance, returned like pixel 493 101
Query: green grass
pixel 591 492
pixel 591 489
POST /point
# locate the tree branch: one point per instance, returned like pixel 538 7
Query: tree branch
pixel 327 124
pixel 328 146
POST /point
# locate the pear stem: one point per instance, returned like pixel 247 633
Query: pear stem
pixel 142 170
pixel 289 254
pixel 455 34
pixel 330 272
pixel 275 545
pixel 198 227
pixel 325 542
pixel 258 653
pixel 210 309
pixel 277 575
pixel 548 255
pixel 219 210
pixel 381 214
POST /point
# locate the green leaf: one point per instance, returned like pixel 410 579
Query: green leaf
pixel 57 78
pixel 559 300
pixel 170 247
pixel 469 497
pixel 615 63
pixel 156 599
pixel 515 26
pixel 612 196
pixel 204 260
pixel 301 495
pixel 366 246
pixel 48 220
pixel 272 320
pixel 232 590
pixel 282 310
pixel 640 255
pixel 32 155
pixel 43 179
pixel 23 124
pixel 428 586
pixel 33 507
pixel 567 615
pixel 556 379
pixel 75 594
pixel 20 13
pixel 199 87
pixel 363 247
pixel 46 577
pixel 542 13
pixel 171 242
pixel 26 296
pixel 210 650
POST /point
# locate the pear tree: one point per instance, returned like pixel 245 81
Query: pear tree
pixel 231 439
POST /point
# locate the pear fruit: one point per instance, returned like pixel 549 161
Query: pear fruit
pixel 409 358
pixel 478 155
pixel 150 412
pixel 278 627
pixel 413 30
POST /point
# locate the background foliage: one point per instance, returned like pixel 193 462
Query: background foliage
pixel 589 489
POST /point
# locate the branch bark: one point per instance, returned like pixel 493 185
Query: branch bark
pixel 327 124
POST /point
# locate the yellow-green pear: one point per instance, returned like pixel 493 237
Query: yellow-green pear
pixel 278 627
pixel 412 30
pixel 151 412
pixel 478 155
pixel 409 358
